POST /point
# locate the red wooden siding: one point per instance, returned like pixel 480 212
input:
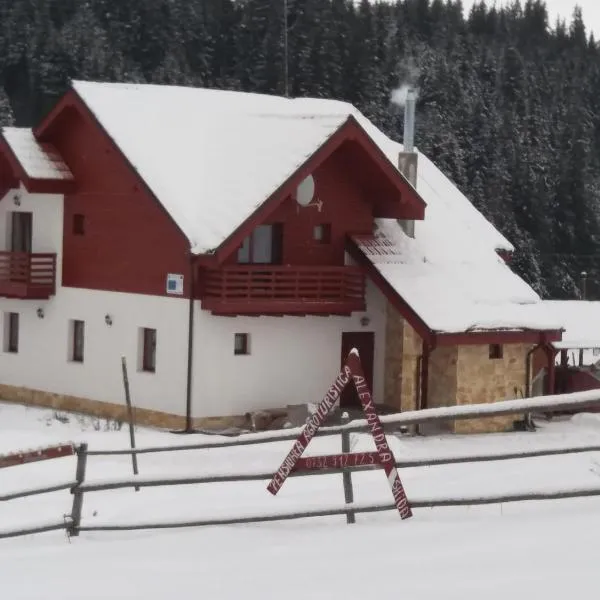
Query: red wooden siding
pixel 8 180
pixel 311 277
pixel 129 243
pixel 345 208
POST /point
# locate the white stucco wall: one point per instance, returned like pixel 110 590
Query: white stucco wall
pixel 293 360
pixel 43 359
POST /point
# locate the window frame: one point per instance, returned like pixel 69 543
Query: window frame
pixel 149 341
pixel 322 233
pixel 77 341
pixel 246 253
pixel 244 348
pixel 78 224
pixel 11 332
pixel 496 352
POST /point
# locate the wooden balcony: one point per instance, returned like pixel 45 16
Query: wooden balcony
pixel 27 275
pixel 283 290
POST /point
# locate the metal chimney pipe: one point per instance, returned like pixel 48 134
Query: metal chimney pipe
pixel 409 120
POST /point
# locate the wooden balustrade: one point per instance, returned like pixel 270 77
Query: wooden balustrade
pixel 27 275
pixel 282 289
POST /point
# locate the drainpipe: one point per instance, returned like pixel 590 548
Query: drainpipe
pixel 550 353
pixel 190 353
pixel 528 369
pixel 425 375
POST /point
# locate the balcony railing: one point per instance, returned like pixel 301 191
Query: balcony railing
pixel 277 289
pixel 27 275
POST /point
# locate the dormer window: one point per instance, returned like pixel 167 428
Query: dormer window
pixel 264 246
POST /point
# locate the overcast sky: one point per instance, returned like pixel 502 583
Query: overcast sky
pixel 563 8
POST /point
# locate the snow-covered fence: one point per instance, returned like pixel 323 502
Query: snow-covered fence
pixel 81 485
pixel 542 404
pixel 37 455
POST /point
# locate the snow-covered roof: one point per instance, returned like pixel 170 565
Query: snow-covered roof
pixel 212 157
pixel 581 321
pixel 455 283
pixel 39 160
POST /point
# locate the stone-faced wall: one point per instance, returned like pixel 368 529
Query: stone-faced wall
pixel 481 379
pixel 412 346
pixel 443 373
pixel 402 348
pixel 392 377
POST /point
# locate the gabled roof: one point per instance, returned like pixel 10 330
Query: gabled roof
pixel 212 158
pixel 37 165
pixel 38 160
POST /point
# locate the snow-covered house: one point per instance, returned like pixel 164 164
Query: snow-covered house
pixel 234 247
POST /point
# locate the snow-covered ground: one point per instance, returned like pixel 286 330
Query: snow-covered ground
pixel 536 549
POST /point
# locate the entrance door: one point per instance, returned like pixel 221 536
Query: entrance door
pixel 21 231
pixel 364 342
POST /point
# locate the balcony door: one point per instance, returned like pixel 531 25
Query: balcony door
pixel 20 241
pixel 21 231
pixel 263 247
pixel 364 342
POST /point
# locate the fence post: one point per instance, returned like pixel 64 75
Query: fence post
pixel 77 491
pixel 346 473
pixel 134 461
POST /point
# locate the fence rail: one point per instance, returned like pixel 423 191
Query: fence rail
pixel 352 509
pixel 80 485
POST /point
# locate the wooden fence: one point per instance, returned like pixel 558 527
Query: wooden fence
pixel 79 485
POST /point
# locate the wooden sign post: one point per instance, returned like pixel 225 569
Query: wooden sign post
pixel 352 372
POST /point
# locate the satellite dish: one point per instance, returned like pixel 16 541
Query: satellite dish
pixel 306 191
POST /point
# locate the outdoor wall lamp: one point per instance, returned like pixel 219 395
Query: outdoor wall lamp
pixel 40 313
pixel 108 320
pixel 364 321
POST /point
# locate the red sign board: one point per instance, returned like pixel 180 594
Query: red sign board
pixel 21 458
pixel 383 457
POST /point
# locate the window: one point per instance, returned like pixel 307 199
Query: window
pixel 264 246
pixel 241 344
pixel 21 228
pixel 322 233
pixel 496 351
pixel 11 332
pixel 77 340
pixel 148 350
pixel 78 224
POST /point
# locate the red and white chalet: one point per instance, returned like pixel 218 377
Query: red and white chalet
pixel 234 247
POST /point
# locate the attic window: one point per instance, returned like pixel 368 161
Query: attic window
pixel 496 351
pixel 78 225
pixel 322 233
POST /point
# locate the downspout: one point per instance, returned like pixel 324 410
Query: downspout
pixel 550 353
pixel 190 350
pixel 423 362
pixel 425 375
pixel 528 369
